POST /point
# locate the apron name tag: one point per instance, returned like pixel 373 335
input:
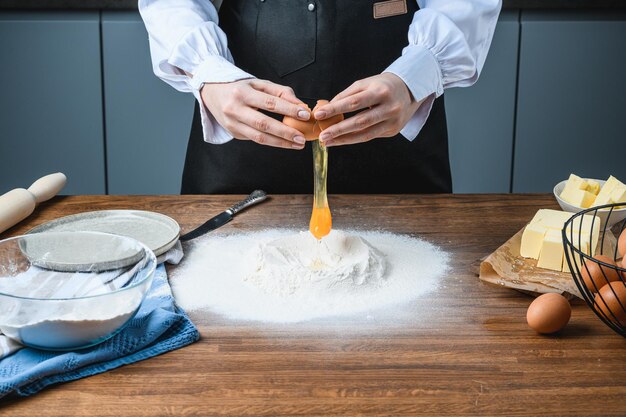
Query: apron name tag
pixel 389 8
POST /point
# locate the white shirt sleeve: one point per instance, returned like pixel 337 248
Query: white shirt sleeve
pixel 185 36
pixel 448 45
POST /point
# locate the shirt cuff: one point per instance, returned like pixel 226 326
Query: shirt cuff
pixel 419 70
pixel 417 122
pixel 215 69
pixel 212 131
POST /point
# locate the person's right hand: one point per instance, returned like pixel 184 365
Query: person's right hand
pixel 236 107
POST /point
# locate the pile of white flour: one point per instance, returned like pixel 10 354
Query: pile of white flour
pixel 286 276
pixel 299 265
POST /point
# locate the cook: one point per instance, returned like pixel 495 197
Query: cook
pixel 263 58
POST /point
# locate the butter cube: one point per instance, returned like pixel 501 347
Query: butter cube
pixel 574 181
pixel 602 199
pixel 593 187
pixel 552 219
pixel 605 194
pixel 551 256
pixel 542 238
pixel 574 256
pixel 618 195
pixel 613 182
pixel 578 198
pixel 532 239
pixel 586 232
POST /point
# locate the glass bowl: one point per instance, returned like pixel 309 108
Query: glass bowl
pixel 71 290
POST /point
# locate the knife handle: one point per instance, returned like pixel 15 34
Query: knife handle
pixel 256 197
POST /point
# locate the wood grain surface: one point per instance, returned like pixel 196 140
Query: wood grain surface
pixel 462 350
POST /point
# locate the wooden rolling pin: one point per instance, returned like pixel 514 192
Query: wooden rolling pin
pixel 18 204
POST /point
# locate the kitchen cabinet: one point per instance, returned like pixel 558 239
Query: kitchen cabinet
pixel 147 121
pixel 50 100
pixel 572 98
pixel 481 117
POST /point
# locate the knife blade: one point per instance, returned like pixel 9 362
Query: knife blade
pixel 224 217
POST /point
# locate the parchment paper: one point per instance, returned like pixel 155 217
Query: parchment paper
pixel 507 268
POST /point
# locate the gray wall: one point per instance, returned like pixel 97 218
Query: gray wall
pixel 147 121
pixel 50 100
pixel 80 97
pixel 572 99
pixel 481 118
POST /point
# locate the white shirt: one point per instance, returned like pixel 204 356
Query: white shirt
pixel 448 41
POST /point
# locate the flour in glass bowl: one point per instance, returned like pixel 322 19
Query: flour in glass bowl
pixel 47 310
pixel 284 276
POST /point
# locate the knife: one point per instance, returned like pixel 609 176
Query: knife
pixel 224 217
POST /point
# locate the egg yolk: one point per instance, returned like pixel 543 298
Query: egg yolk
pixel 321 222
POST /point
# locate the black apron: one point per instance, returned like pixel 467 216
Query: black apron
pixel 318 48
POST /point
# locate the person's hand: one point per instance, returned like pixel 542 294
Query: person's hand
pixel 386 104
pixel 236 107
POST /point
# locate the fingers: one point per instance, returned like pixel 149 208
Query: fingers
pixel 281 91
pixel 378 131
pixel 350 103
pixel 260 100
pixel 265 124
pixel 354 88
pixel 267 139
pixel 356 123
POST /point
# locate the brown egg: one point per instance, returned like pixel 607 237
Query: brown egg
pixel 608 301
pixel 308 127
pixel 621 245
pixel 548 313
pixel 597 274
pixel 326 123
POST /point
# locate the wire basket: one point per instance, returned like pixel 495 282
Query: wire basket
pixel 611 312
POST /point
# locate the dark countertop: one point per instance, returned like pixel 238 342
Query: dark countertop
pixel 132 4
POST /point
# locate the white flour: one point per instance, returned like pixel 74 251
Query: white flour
pixel 298 265
pixel 283 276
pixel 62 324
pixel 69 331
pixel 66 324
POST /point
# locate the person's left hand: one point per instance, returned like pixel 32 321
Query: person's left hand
pixel 388 105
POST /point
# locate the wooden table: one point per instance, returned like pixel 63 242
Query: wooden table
pixel 463 350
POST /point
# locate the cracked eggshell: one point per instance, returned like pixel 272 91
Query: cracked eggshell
pixel 326 123
pixel 308 128
pixel 312 128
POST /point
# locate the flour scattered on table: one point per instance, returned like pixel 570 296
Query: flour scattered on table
pixel 286 276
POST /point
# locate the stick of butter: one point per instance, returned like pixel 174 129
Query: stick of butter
pixel 542 239
pixel 610 192
pixel 580 192
pixel 551 254
pixel 578 198
pixel 618 195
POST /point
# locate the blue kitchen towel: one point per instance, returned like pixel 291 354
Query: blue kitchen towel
pixel 159 326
